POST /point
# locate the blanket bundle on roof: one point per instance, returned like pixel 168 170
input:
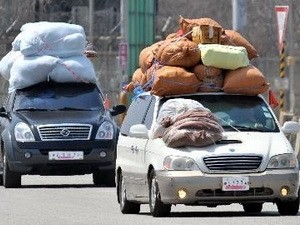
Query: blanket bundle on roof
pixel 186 122
pixel 192 128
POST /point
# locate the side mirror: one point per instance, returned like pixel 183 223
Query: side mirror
pixel 139 131
pixel 3 113
pixel 117 109
pixel 290 127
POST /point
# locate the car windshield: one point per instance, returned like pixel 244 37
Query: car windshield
pixel 59 96
pixel 238 112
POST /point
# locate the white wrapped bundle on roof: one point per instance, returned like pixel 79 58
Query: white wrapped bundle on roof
pixel 50 38
pixel 27 71
pixel 7 62
pixel 74 69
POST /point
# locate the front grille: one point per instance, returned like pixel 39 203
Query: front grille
pixel 233 163
pixel 55 132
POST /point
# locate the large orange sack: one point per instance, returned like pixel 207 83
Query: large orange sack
pixel 211 78
pixel 232 37
pixel 138 79
pixel 147 56
pixel 178 52
pixel 171 80
pixel 247 80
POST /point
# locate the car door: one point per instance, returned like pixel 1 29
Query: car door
pixel 131 150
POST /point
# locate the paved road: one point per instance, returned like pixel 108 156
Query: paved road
pixel 75 201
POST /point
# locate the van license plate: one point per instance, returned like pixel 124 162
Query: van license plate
pixel 64 155
pixel 235 183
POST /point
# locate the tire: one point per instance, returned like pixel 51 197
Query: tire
pixel 288 208
pixel 157 207
pixel 253 207
pixel 104 178
pixel 126 206
pixel 10 179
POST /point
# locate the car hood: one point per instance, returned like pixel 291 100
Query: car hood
pixel 56 117
pixel 253 143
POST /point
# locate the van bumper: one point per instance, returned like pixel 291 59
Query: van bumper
pixel 206 189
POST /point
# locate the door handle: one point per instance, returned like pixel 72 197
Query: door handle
pixel 134 149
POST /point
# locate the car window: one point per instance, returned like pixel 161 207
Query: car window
pixel 239 111
pixel 140 111
pixel 59 96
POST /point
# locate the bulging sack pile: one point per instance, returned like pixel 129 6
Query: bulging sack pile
pixel 45 51
pixel 201 57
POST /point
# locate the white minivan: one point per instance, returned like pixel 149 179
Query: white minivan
pixel 250 162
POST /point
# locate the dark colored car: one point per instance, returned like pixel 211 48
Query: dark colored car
pixel 58 129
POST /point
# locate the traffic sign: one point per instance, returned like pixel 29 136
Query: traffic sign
pixel 281 18
pixel 123 51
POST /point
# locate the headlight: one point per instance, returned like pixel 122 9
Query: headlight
pixel 179 163
pixel 23 133
pixel 283 161
pixel 105 131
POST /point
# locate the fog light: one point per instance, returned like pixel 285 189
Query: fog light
pixel 102 154
pixel 284 191
pixel 182 193
pixel 27 155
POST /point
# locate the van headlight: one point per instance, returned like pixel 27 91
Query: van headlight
pixel 23 132
pixel 179 163
pixel 105 131
pixel 283 161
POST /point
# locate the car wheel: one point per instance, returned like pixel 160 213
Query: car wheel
pixel 252 207
pixel 126 206
pixel 288 208
pixel 157 207
pixel 104 178
pixel 10 179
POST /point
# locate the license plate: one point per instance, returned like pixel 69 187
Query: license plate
pixel 235 183
pixel 63 155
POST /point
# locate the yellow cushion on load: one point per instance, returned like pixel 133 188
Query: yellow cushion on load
pixel 224 56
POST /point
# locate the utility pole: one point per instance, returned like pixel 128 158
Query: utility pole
pixel 239 13
pixel 91 22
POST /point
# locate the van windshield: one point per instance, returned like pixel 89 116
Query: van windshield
pixel 239 112
pixel 59 96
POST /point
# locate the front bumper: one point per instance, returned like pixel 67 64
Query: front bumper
pixel 39 163
pixel 206 189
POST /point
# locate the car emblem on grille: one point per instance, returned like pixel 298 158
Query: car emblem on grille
pixel 65 132
pixel 232 149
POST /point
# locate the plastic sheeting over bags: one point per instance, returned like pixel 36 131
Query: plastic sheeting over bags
pixel 27 71
pixel 73 69
pixel 46 51
pixel 50 38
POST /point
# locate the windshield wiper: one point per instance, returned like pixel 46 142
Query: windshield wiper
pixel 73 109
pixel 244 128
pixel 32 109
pixel 232 141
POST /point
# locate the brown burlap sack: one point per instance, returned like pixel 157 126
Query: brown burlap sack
pixel 211 78
pixel 178 52
pixel 232 37
pixel 171 80
pixel 146 56
pixel 247 80
pixel 138 78
pixel 186 25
